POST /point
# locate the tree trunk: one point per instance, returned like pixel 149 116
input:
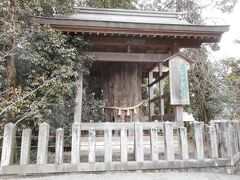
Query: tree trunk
pixel 10 76
pixel 122 88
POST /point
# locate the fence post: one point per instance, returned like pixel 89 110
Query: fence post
pixel 218 133
pixel 226 148
pixel 169 141
pixel 231 135
pixel 43 138
pixel 238 134
pixel 8 144
pixel 213 143
pixel 154 144
pixel 235 136
pixel 76 135
pixel 183 143
pixel 59 146
pixel 25 147
pixel 198 140
pixel 92 145
pixel 108 146
pixel 138 142
pixel 124 148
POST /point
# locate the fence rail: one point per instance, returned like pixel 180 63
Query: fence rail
pixel 135 146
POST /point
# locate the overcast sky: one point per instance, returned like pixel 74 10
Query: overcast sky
pixel 227 46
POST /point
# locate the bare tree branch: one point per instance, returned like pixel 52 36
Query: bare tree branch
pixel 10 52
pixel 46 82
pixel 6 91
pixel 34 112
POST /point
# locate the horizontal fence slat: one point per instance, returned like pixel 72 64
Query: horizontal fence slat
pixel 126 125
pixel 115 166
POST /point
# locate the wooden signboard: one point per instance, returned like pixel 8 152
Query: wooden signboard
pixel 178 77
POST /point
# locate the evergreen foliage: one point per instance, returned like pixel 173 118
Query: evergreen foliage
pixel 47 62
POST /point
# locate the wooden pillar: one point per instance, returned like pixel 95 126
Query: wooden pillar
pixel 179 115
pixel 122 84
pixel 78 107
pixel 161 86
pixel 150 92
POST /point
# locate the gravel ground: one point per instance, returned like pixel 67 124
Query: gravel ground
pixel 135 176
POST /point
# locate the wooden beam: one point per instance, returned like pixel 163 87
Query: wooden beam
pixel 159 97
pixel 165 74
pixel 144 41
pixel 150 91
pixel 161 85
pixel 154 99
pixel 130 57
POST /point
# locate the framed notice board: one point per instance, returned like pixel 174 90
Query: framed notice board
pixel 178 77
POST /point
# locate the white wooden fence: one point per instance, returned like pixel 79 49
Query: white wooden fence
pixel 217 144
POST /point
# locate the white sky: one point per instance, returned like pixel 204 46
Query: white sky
pixel 227 46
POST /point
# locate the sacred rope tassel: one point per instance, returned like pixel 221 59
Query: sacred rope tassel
pixel 135 110
pixel 119 112
pixel 128 112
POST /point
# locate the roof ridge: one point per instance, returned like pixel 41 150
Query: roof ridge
pixel 129 12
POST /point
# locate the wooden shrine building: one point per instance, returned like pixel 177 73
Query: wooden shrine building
pixel 129 45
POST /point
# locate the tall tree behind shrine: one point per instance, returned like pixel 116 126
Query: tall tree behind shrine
pixel 8 33
pixel 43 83
pixel 124 4
pixel 206 101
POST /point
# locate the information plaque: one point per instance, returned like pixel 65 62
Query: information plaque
pixel 178 77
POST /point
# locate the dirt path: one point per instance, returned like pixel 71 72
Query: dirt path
pixel 136 176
